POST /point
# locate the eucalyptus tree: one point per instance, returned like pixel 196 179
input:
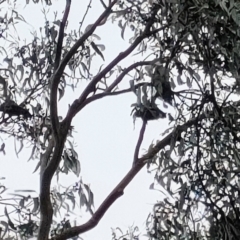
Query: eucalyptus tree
pixel 189 54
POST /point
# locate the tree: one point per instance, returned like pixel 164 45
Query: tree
pixel 190 58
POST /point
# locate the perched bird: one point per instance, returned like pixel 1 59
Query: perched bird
pixel 13 109
pixel 148 112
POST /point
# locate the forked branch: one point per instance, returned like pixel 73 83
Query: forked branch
pixel 77 105
pixel 61 66
pixel 56 78
pixel 119 189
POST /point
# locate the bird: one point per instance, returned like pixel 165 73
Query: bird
pixel 13 109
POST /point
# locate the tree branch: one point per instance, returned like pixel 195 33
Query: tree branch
pixel 107 94
pixel 103 3
pixel 58 73
pixel 56 77
pixel 127 70
pixel 119 189
pixel 61 35
pixel 46 156
pixel 139 142
pixel 76 106
pixel 85 14
pixel 111 198
pixel 110 66
pixel 48 167
pixel 75 47
pixel 59 132
pixel 46 210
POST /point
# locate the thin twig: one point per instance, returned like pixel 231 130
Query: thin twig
pixel 115 93
pixel 127 70
pixel 81 23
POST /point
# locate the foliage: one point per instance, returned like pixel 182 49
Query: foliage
pixel 200 168
pixel 189 54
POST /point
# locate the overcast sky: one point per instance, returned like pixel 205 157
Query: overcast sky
pixel 105 135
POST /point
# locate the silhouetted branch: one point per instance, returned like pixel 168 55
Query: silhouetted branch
pixel 88 33
pixel 59 132
pixel 58 73
pixel 56 77
pixel 46 156
pixel 85 14
pixel 77 105
pixel 46 210
pixel 139 142
pixel 103 3
pixel 119 189
pixel 61 35
pixel 127 70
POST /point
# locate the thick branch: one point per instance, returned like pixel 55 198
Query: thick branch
pixel 112 197
pixel 56 77
pixel 119 189
pixel 76 106
pixel 59 133
pixel 46 209
pixel 58 73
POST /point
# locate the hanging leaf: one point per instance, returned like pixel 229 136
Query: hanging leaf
pixel 61 92
pixel 5 224
pixel 123 30
pixel 189 82
pixel 83 200
pixel 179 80
pixel 85 69
pixel 151 186
pixel 96 49
pixel 35 205
pixel 10 223
pixel 21 69
pixel 101 46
